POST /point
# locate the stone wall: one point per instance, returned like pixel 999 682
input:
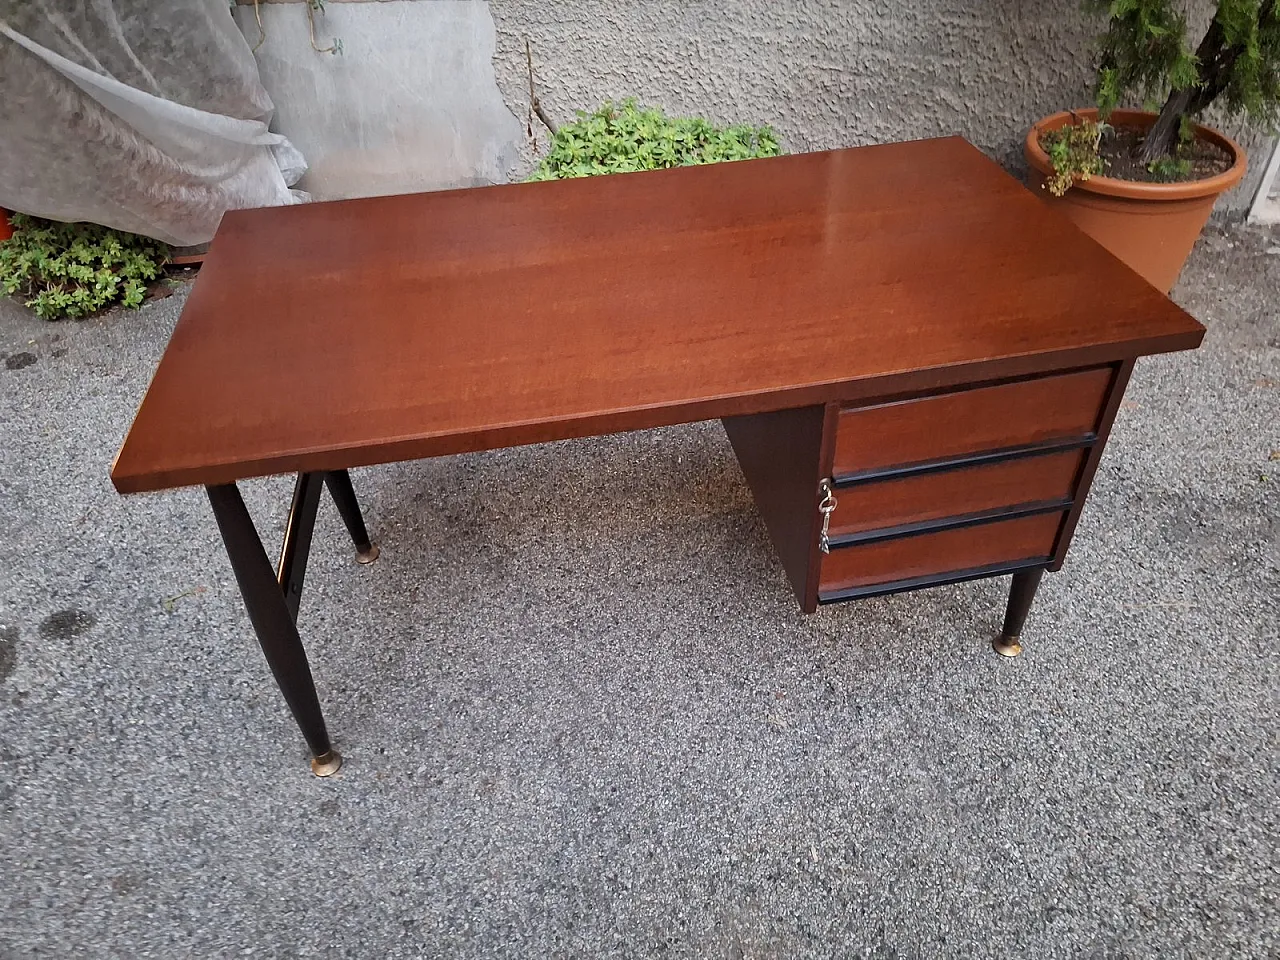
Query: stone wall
pixel 412 104
pixel 824 73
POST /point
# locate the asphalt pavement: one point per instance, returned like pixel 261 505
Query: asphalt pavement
pixel 582 715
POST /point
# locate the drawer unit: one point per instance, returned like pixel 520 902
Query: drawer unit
pixel 930 489
pixel 977 548
pixel 866 507
pixel 982 419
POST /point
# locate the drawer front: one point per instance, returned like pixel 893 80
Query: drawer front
pixel 924 497
pixel 970 421
pixel 947 551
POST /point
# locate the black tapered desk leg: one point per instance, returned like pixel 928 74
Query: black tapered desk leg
pixel 1021 593
pixel 296 547
pixel 344 496
pixel 273 623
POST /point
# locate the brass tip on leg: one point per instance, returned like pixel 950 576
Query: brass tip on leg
pixel 1006 646
pixel 368 555
pixel 327 764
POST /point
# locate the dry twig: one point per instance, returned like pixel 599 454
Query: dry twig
pixel 535 105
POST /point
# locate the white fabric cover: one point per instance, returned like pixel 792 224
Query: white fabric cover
pixel 143 116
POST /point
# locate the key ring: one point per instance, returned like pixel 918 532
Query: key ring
pixel 826 506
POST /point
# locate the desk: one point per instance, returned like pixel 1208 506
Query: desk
pixel 917 362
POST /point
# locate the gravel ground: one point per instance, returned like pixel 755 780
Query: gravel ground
pixel 566 737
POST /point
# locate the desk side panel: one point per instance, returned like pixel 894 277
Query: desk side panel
pixel 1119 380
pixel 781 457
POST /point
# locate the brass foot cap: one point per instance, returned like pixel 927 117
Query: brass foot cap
pixel 369 555
pixel 1006 646
pixel 327 764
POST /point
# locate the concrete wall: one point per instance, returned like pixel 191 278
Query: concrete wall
pixel 412 103
pixel 824 73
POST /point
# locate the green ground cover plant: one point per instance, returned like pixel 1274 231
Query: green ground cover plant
pixel 625 137
pixel 63 270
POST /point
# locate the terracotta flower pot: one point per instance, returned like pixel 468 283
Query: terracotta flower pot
pixel 1150 226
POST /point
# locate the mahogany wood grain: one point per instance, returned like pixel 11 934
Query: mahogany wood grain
pixel 780 457
pixel 970 421
pixel 331 335
pixel 963 548
pixel 947 493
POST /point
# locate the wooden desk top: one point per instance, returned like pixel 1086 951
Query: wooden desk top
pixel 339 334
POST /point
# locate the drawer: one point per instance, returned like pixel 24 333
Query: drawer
pixel 920 498
pixel 932 554
pixel 970 421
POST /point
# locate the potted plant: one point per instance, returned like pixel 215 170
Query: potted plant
pixel 1140 183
